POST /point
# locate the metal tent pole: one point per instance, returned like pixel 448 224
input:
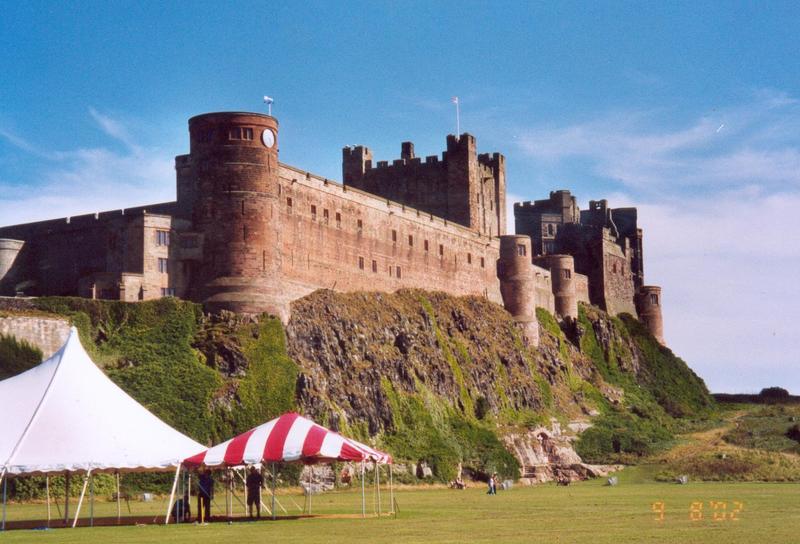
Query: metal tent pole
pixel 47 490
pixel 80 501
pixel 172 493
pixel 5 496
pixel 378 485
pixel 119 504
pixel 274 477
pixel 91 500
pixel 363 493
pixel 391 491
pixel 66 498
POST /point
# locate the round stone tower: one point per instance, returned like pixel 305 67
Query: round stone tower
pixel 517 286
pixel 562 275
pixel 9 250
pixel 234 158
pixel 648 305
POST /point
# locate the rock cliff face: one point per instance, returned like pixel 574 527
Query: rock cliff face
pixel 442 382
pixel 372 358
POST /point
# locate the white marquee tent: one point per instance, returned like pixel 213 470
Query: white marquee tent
pixel 66 415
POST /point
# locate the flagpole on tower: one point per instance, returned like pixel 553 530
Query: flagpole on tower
pixel 458 116
pixel 268 100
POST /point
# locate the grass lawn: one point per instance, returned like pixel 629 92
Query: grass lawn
pixel 584 512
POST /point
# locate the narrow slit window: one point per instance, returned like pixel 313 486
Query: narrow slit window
pixel 374 266
pixel 410 240
pixel 425 244
pixel 313 213
pixel 441 250
pixel 394 236
pixel 338 220
pixel 361 263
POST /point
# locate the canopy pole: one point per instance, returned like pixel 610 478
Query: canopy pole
pixel 172 493
pixel 5 496
pixel 391 492
pixel 91 501
pixel 378 485
pixel 80 501
pixel 310 482
pixel 244 492
pixel 363 493
pixel 47 490
pixel 119 504
pixel 274 477
pixel 66 497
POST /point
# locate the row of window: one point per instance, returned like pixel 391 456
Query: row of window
pixel 360 226
pixel 394 271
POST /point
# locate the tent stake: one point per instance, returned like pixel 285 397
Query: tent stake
pixel 119 504
pixel 274 477
pixel 47 490
pixel 172 493
pixel 80 501
pixel 363 495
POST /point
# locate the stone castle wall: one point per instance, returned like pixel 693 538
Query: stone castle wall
pixel 341 238
pixel 47 334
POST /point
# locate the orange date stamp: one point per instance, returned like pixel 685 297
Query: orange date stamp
pixel 714 511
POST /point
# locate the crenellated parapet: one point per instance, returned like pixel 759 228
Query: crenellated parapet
pixel 462 186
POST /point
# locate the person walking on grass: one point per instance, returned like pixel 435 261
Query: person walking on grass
pixel 254 484
pixel 492 484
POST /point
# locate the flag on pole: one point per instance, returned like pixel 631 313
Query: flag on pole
pixel 454 100
pixel 268 100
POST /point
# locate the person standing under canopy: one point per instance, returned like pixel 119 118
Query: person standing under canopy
pixel 254 484
pixel 205 492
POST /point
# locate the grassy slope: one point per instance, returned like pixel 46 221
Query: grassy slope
pixel 582 513
pixel 708 455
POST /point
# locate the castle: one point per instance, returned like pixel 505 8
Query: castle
pixel 250 234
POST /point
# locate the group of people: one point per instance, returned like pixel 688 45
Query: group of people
pixel 205 494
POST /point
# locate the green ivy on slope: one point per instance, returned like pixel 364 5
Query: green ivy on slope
pixel 656 400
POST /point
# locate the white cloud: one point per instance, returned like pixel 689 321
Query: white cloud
pixel 759 142
pixel 87 180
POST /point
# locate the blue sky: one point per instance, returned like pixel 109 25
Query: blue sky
pixel 688 110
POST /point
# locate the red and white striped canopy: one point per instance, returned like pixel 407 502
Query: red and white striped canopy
pixel 288 438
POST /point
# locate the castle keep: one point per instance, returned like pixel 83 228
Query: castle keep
pixel 248 233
